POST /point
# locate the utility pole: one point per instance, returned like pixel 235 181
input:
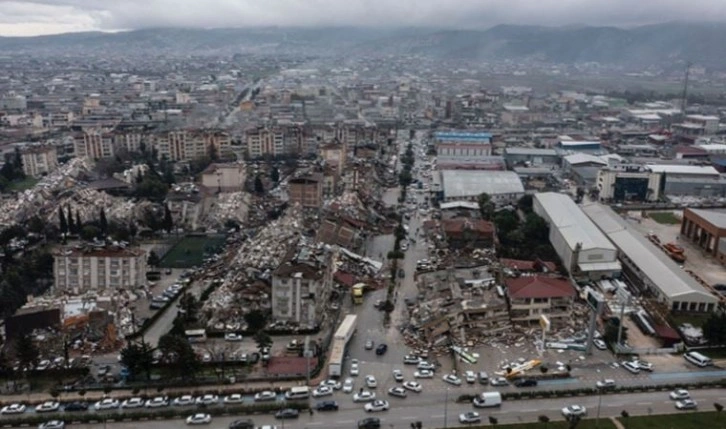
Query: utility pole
pixel 446 409
pixel 684 97
pixel 620 323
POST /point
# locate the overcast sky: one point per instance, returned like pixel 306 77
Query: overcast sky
pixel 33 17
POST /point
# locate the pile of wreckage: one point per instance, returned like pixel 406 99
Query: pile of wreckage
pixel 232 205
pixel 89 202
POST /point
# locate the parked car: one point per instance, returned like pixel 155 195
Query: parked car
pixel 574 410
pixel 469 417
pixel 230 336
pixel 242 424
pixel 47 407
pixel 377 405
pixel 199 419
pixel 645 366
pixel 412 386
pixel 207 400
pixel 369 345
pixel 234 398
pixel 483 377
pixel 348 385
pixel 600 344
pixel 13 409
pixel 157 402
pixel 371 381
pixel 369 423
pixel 330 383
pixel 354 370
pixel 364 396
pixel 287 413
pixel 470 377
pixel 399 392
pixel 499 381
pixel 321 391
pixel 265 395
pixel 52 424
pixel 631 367
pixel 381 349
pixel 326 406
pixel 525 382
pixel 452 379
pixel 184 401
pixel 398 375
pixel 607 383
pixel 76 406
pixel 106 404
pixel 424 373
pixel 133 403
pixel 426 366
pixel 411 360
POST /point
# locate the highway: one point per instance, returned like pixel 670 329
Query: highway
pixel 431 410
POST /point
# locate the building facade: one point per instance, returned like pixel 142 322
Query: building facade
pixel 81 270
pixel 94 143
pixel 707 229
pixel 634 184
pixel 306 191
pixel 533 296
pixel 40 160
pixel 224 177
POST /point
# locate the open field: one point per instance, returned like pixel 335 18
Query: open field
pixel 191 250
pixel 24 184
pixel 666 218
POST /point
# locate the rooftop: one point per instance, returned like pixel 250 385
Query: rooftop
pixel 530 151
pixel 683 169
pixel 467 183
pixel 539 287
pixel 714 217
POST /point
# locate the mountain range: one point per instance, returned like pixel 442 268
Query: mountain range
pixel 660 45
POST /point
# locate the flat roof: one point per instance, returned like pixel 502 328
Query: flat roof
pixel 530 151
pixel 714 217
pixel 583 158
pixel 466 183
pixel 683 169
pixel 463 136
pixel 662 271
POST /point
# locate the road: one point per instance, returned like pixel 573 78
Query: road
pixel 162 325
pixel 432 409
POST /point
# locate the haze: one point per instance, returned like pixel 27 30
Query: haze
pixel 25 18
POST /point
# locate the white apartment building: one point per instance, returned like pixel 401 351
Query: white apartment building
pixel 39 160
pixel 80 270
pixel 94 143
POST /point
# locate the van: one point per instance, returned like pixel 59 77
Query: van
pixel 299 392
pixel 697 359
pixel 487 399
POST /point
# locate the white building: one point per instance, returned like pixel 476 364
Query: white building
pixel 39 160
pixel 583 249
pixel 628 184
pixel 224 177
pixel 79 270
pixel 466 185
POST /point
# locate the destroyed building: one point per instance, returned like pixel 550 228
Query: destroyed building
pixel 468 233
pixel 93 267
pixel 533 296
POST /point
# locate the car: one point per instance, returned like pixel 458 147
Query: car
pixel 265 395
pixel 424 373
pixel 234 398
pixel 157 402
pixel 631 367
pixel 679 394
pixel 267 427
pixel 13 409
pixel 47 407
pixel 574 410
pixel 377 405
pixel 133 403
pixel 199 419
pixel 326 406
pixel 469 417
pixel 76 406
pixel 483 377
pixel 398 375
pixel 525 382
pixel 371 381
pixel 607 383
pixel 686 404
pixel 106 404
pixel 348 385
pixel 230 336
pixel 321 391
pixel 242 424
pixel 369 345
pixel 369 423
pixel 364 396
pixel 470 377
pixel 645 366
pixel 183 401
pixel 335 385
pixel 399 392
pixel 426 366
pixel 52 424
pixel 208 399
pixel 411 360
pixel 452 379
pixel 381 349
pixel 287 413
pixel 600 344
pixel 412 386
pixel 354 370
pixel 499 381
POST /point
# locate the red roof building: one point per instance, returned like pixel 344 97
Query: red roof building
pixel 531 297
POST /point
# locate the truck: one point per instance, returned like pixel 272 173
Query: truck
pixel 340 342
pixel 487 399
pixel 358 290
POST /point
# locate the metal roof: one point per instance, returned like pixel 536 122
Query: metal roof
pixel 682 169
pixel 714 217
pixel 530 151
pixel 663 272
pixel 467 183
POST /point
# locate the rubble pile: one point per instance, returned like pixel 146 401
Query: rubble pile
pixel 232 205
pixel 269 246
pixel 88 203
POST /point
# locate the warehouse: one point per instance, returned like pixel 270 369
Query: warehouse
pixel 583 249
pixel 648 268
pixel 707 229
pixel 692 180
pixel 466 185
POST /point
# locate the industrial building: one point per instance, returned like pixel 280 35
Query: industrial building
pixel 467 185
pixel 691 180
pixel 648 268
pixel 583 249
pixel 463 144
pixel 707 229
pixel 628 183
pixel 526 156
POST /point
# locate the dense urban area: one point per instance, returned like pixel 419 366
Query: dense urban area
pixel 375 241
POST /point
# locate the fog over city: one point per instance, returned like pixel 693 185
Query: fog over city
pixel 35 17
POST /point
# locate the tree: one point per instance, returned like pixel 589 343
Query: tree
pixel 486 206
pixel 89 232
pixel 525 203
pixel 103 222
pixel 168 223
pixel 63 224
pixel 714 328
pixel 506 221
pixel 259 187
pixel 176 350
pixel 153 259
pixel 138 359
pixel 535 228
pixel 36 225
pixel 718 407
pixel 573 421
pixel 275 175
pixel 493 420
pixel 79 223
pixel 71 223
pixel 544 419
pixel 189 308
pixel 26 352
pixel 256 320
pixel 263 340
pixel 610 336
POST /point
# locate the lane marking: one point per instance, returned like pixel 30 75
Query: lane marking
pixel 643 403
pixel 437 416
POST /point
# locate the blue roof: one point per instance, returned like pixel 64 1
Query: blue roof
pixel 462 136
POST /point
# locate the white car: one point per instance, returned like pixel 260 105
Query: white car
pixel 133 403
pixel 499 381
pixel 348 385
pixel 265 395
pixel 106 404
pixel 469 417
pixel 47 407
pixel 207 400
pixel 234 398
pixel 452 379
pixel 354 370
pixel 330 383
pixel 321 391
pixel 607 383
pixel 13 409
pixel 412 386
pixel 646 366
pixel 377 405
pixel 470 377
pixel 371 381
pixel 398 392
pixel 600 344
pixel 184 401
pixel 686 404
pixel 424 373
pixel 52 424
pixel 426 365
pixel 158 402
pixel 364 396
pixel 398 375
pixel 679 394
pixel 574 410
pixel 233 337
pixel 199 419
pixel 411 360
pixel 631 367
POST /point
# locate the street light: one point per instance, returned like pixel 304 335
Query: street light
pixel 446 409
pixel 599 403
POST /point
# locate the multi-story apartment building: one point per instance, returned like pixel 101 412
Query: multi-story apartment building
pixel 93 268
pixel 183 145
pixel 264 141
pixel 39 160
pixel 306 191
pixel 301 286
pixel 94 143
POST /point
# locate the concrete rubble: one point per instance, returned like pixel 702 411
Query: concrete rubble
pixel 233 205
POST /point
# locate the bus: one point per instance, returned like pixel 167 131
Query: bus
pixel 196 335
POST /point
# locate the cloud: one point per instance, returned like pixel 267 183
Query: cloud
pixel 47 16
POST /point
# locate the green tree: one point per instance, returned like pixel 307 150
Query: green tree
pixel 153 259
pixel 63 223
pixel 71 223
pixel 275 175
pixel 525 203
pixel 79 223
pixel 26 352
pixel 36 225
pixel 259 187
pixel 544 419
pixel 138 359
pixel 89 232
pixel 103 222
pixel 714 328
pixel 535 228
pixel 189 308
pixel 486 206
pixel 256 320
pixel 168 223
pixel 176 350
pixel 506 221
pixel 263 340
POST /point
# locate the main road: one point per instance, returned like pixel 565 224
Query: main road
pixel 433 410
